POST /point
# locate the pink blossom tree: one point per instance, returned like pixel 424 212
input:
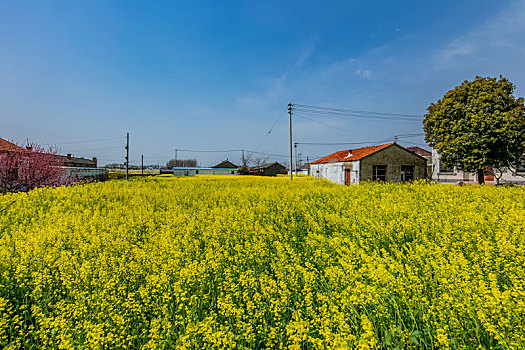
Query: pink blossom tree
pixel 33 167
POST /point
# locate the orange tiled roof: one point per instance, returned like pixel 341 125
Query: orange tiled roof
pixel 6 146
pixel 351 154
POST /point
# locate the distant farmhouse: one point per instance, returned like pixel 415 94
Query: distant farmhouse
pixel 227 168
pixel 76 168
pixel 223 168
pixel 388 162
pixel 187 171
pixel 83 169
pixel 226 164
pixel 452 175
pixel 302 170
pixel 71 161
pixel 6 146
pixel 268 169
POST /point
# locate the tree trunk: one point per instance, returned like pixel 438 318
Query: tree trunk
pixel 481 176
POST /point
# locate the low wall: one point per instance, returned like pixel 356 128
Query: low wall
pixel 82 173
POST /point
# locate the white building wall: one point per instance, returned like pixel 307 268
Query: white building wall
pixel 354 174
pixel 335 172
pixel 512 175
pixel 509 175
pixel 331 171
pixel 302 171
pixel 451 177
pixel 87 173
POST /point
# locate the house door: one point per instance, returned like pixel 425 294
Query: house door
pixel 347 176
pixel 407 172
pixel 488 174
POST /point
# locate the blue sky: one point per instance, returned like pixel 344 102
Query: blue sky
pixel 210 75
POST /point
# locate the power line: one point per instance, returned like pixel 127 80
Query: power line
pixel 328 114
pixel 341 110
pixel 91 141
pixel 271 129
pixel 232 150
pixel 267 154
pixel 94 149
pixel 340 143
pixel 399 136
pixel 410 135
pixel 330 126
pixel 418 144
pixel 210 151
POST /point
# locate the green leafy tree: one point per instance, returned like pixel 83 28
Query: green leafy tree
pixel 478 124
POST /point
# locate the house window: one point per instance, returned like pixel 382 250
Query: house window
pixel 379 172
pixel 521 166
pixel 196 171
pixel 233 172
pixel 445 169
pixel 407 172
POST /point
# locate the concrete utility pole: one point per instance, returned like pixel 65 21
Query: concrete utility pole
pixel 175 157
pixel 295 146
pixel 127 155
pixel 291 164
pixel 142 165
pixel 307 166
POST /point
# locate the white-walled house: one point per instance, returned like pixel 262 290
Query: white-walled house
pixel 388 162
pixel 452 175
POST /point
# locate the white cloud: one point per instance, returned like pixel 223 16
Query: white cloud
pixel 457 47
pixel 498 38
pixel 407 75
pixel 365 73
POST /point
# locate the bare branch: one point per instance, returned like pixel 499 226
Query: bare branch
pixel 7 206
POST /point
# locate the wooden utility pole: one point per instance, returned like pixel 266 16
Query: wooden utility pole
pixel 176 157
pixel 142 165
pixel 127 155
pixel 290 112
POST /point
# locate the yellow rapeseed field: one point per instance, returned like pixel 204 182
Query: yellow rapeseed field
pixel 245 262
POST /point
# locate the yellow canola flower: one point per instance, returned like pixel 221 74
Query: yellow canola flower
pixel 248 262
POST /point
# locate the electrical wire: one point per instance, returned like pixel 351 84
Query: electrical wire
pixel 271 129
pixel 342 110
pixel 231 150
pixel 358 116
pixel 330 126
pixel 94 149
pixel 340 143
pixel 91 141
pixel 209 151
pixel 400 136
